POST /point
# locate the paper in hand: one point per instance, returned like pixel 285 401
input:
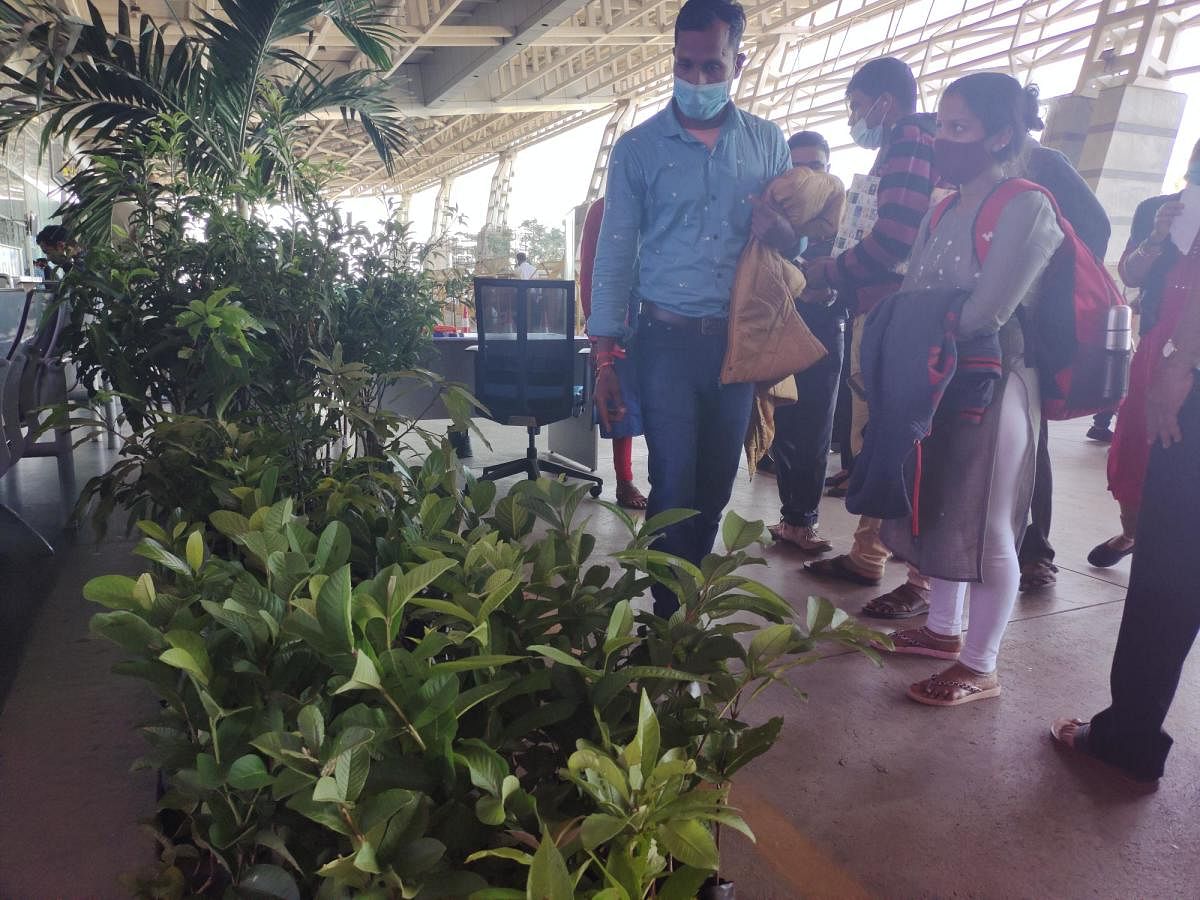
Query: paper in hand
pixel 1187 223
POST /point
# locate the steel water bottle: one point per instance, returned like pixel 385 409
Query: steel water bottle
pixel 1118 352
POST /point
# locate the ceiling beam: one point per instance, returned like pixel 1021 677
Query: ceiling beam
pixel 430 15
pixel 451 71
pixel 325 36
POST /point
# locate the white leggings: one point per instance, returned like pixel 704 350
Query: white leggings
pixel 993 599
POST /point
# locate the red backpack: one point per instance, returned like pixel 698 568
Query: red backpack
pixel 1065 328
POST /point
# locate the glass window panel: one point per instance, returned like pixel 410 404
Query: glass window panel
pixel 12 261
pixel 548 311
pixel 12 304
pixel 498 311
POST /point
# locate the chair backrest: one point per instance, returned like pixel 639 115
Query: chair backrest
pixel 14 318
pixel 12 434
pixel 525 370
pixel 51 318
pixel 43 370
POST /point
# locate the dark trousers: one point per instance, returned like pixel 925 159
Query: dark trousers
pixel 842 417
pixel 461 442
pixel 803 430
pixel 1035 545
pixel 695 429
pixel 1162 609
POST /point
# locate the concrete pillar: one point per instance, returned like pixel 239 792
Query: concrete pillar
pixel 1067 125
pixel 494 243
pixel 402 210
pixel 442 210
pixel 1128 145
pixel 441 257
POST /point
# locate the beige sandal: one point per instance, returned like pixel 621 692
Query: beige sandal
pixel 923 642
pixel 970 690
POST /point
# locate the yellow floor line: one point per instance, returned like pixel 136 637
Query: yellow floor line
pixel 805 867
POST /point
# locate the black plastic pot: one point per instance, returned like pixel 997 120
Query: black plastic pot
pixel 715 889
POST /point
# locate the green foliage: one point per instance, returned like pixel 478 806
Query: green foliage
pixel 445 695
pixel 238 95
pixel 542 244
pixel 239 346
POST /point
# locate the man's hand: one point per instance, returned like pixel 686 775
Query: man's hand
pixel 1167 214
pixel 819 272
pixel 1169 388
pixel 770 227
pixel 610 405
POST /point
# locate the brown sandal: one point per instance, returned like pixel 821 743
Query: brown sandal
pixel 904 602
pixel 629 497
pixel 839 567
pixel 970 691
pixel 1035 576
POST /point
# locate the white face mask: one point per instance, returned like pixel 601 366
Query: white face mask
pixel 869 137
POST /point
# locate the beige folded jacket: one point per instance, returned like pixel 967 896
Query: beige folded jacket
pixel 768 341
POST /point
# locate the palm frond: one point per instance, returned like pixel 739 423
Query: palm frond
pixel 366 25
pixel 233 96
pixel 357 97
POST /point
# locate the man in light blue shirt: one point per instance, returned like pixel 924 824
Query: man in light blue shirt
pixel 682 200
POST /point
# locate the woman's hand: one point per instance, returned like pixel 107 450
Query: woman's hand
pixel 1163 219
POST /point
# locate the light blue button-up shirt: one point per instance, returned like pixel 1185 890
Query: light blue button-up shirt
pixel 677 216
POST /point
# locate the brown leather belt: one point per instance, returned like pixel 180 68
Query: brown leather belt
pixel 711 325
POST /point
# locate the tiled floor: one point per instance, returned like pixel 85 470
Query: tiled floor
pixel 866 794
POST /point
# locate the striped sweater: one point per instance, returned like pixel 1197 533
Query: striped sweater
pixel 874 267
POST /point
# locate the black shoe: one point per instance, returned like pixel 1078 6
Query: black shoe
pixel 461 442
pixel 1104 556
pixel 837 479
pixel 1100 433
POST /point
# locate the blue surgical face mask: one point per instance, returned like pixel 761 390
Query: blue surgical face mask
pixel 1193 173
pixel 701 102
pixel 869 137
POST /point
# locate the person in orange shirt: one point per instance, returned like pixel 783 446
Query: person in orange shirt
pixel 623 432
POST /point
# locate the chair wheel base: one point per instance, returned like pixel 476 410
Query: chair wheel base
pixel 533 466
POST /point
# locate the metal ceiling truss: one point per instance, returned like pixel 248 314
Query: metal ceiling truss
pixel 480 77
pixel 801 56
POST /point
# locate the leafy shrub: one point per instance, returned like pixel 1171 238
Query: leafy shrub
pixel 448 696
pixel 231 338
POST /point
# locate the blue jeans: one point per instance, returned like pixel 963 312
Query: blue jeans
pixel 695 430
pixel 803 429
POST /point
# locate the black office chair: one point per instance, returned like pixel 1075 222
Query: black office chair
pixel 527 370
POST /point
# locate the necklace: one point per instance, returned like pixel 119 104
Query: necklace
pixel 1177 284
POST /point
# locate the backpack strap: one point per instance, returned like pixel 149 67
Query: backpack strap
pixel 941 209
pixel 993 207
pixel 990 212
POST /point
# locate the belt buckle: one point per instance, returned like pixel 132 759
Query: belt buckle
pixel 711 326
